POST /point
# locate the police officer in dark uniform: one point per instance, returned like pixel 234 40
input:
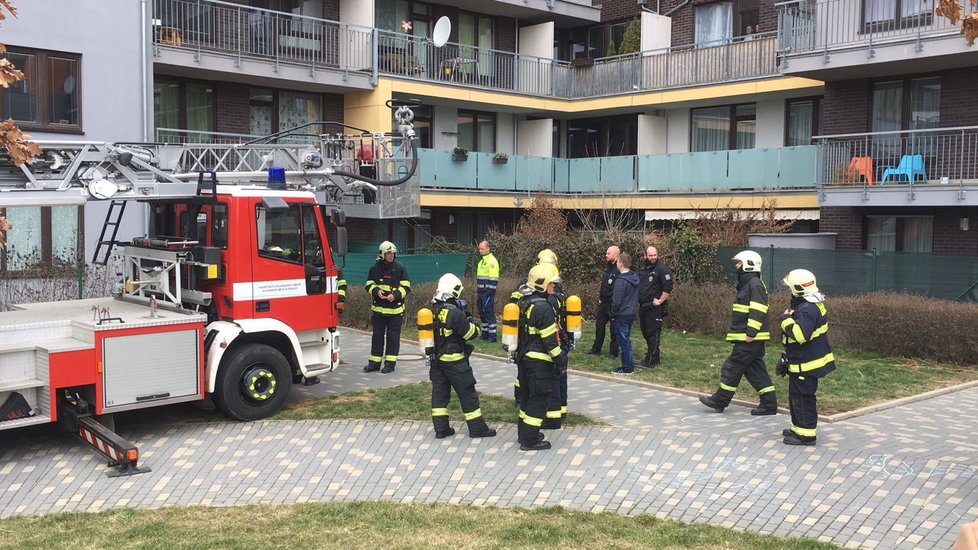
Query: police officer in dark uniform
pixel 807 354
pixel 387 284
pixel 454 328
pixel 748 332
pixel 539 357
pixel 654 288
pixel 603 315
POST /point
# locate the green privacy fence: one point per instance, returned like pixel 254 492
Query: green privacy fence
pixel 839 272
pixel 421 268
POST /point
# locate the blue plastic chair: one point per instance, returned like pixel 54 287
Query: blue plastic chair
pixel 910 166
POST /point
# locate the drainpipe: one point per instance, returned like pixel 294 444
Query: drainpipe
pixel 143 68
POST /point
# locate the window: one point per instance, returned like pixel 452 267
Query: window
pixel 422 125
pixel 276 110
pixel 183 105
pixel 476 32
pixel 477 131
pixel 42 236
pixel 911 104
pixel 49 96
pixel 278 233
pixel 713 23
pixel 894 14
pixel 900 233
pixel 804 121
pixel 723 128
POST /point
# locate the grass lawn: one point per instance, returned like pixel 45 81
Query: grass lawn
pixel 693 361
pixel 407 402
pixel 373 525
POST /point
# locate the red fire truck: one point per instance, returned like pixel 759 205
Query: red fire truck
pixel 230 296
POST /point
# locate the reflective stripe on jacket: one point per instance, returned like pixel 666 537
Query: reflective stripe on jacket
pixel 806 340
pixel 537 329
pixel 487 273
pixel 749 315
pixel 452 329
pixel 389 277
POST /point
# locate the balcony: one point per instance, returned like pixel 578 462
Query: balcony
pixel 564 13
pixel 210 35
pixel 934 167
pixel 838 39
pixel 784 168
pixel 405 56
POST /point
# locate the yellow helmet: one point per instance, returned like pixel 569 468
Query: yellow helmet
pixel 386 247
pixel 801 282
pixel 540 277
pixel 751 261
pixel 547 256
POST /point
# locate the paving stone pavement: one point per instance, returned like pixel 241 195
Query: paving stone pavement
pixel 905 477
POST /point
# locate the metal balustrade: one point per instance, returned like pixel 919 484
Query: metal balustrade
pixel 909 157
pixel 826 25
pixel 222 28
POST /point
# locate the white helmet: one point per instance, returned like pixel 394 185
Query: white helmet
pixel 802 284
pixel 449 286
pixel 751 261
pixel 386 247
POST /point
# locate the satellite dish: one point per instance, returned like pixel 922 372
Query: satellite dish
pixel 443 28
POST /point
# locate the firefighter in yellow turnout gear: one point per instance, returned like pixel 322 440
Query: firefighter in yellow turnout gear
pixel 453 328
pixel 748 332
pixel 807 354
pixel 540 360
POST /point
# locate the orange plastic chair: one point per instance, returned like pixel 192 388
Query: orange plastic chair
pixel 863 166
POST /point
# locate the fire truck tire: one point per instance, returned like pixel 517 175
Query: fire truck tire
pixel 253 382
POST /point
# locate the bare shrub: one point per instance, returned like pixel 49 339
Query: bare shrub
pixel 730 226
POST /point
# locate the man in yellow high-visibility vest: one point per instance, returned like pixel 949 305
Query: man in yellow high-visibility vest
pixel 486 279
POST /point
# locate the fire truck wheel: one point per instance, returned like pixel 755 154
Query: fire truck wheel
pixel 253 382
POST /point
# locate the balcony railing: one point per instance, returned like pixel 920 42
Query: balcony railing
pixel 242 32
pixel 676 67
pixel 753 169
pixel 914 157
pixel 822 26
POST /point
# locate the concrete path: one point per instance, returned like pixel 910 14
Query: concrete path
pixel 905 477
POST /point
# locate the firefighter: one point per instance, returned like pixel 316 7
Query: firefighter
pixel 388 285
pixel 807 354
pixel 340 291
pixel 748 332
pixel 454 327
pixel 539 357
pixel 486 279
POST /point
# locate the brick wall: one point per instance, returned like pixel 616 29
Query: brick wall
pixel 360 230
pixel 948 236
pixel 619 10
pixel 845 108
pixel 440 226
pixel 233 109
pixel 958 105
pixel 847 222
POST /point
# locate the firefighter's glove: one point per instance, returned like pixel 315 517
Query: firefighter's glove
pixel 340 306
pixel 560 365
pixel 781 369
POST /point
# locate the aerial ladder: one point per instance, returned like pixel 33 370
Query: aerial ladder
pixel 203 310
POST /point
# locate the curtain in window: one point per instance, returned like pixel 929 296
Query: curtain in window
pixel 295 109
pixel 800 117
pixel 925 103
pixel 200 107
pixel 911 8
pixel 746 126
pixel 166 99
pixel 875 11
pixel 711 129
pixel 881 233
pixel 24 242
pixel 714 23
pixel 887 116
pixel 918 234
pixel 64 230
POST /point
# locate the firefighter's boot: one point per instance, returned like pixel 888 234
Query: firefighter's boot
pixel 713 403
pixel 795 439
pixel 485 432
pixel 539 445
pixel 388 367
pixel 447 432
pixel 769 405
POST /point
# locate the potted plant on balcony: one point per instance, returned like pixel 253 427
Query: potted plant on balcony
pixel 460 154
pixel 500 157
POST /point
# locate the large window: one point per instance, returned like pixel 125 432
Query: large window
pixel 477 131
pixel 713 23
pixel 476 36
pixel 804 121
pixel 900 233
pixel 49 96
pixel 723 128
pixel 912 104
pixel 890 14
pixel 184 105
pixel 276 110
pixel 42 236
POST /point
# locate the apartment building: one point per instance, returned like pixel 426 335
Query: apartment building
pixel 899 148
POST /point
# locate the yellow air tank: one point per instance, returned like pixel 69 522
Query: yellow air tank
pixel 574 316
pixel 426 331
pixel 511 317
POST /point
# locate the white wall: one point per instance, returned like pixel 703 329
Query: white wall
pixel 656 31
pixel 535 138
pixel 506 132
pixel 770 123
pixel 115 75
pixel 357 12
pixel 445 120
pixel 678 124
pixel 537 40
pixel 653 135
